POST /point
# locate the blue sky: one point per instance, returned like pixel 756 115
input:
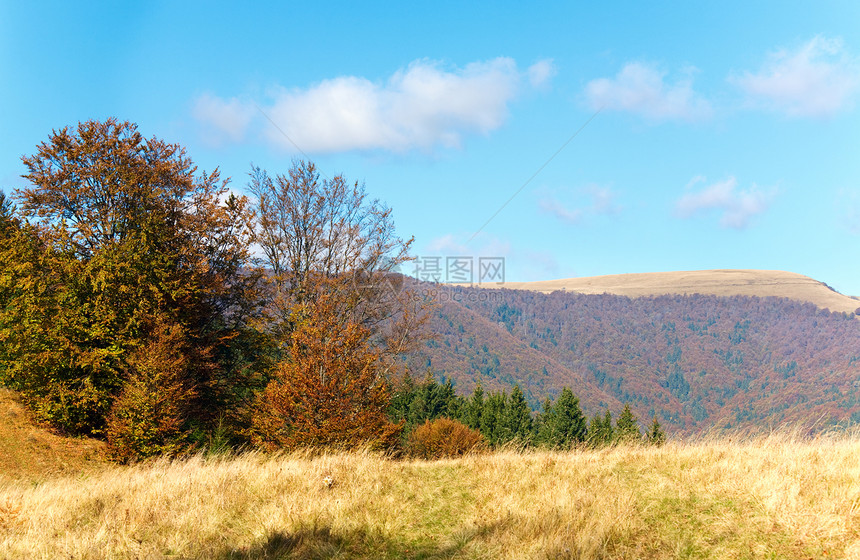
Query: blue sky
pixel 724 134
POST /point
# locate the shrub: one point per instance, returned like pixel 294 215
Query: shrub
pixel 442 438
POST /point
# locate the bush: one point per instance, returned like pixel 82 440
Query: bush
pixel 443 438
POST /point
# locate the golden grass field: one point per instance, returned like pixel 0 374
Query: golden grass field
pixel 772 497
pixel 760 283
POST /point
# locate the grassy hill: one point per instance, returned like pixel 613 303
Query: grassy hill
pixel 760 283
pixel 30 453
pixel 770 498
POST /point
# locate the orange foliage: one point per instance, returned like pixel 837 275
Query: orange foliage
pixel 148 417
pixel 443 438
pixel 330 391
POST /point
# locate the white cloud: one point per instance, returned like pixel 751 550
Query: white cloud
pixel 422 106
pixel 602 201
pixel 459 245
pixel 641 89
pixel 541 72
pixel 447 244
pixel 736 206
pixel 817 80
pixel 554 207
pixel 224 120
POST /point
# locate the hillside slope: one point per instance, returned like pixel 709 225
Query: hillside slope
pixel 697 362
pixel 760 283
pixel 30 453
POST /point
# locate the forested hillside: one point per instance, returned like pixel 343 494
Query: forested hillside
pixel 696 362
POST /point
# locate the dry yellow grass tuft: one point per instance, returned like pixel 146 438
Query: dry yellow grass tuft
pixel 776 497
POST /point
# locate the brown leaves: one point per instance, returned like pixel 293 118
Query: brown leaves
pixel 329 392
pixel 148 416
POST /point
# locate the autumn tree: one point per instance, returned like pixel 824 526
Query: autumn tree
pixel 324 235
pixel 9 228
pixel 120 233
pixel 332 255
pixel 330 391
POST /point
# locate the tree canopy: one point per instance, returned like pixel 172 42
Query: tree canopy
pixel 121 235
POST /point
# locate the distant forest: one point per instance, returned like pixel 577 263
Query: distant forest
pixel 695 362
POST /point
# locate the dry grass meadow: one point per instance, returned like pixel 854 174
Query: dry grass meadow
pixel 772 497
pixel 761 283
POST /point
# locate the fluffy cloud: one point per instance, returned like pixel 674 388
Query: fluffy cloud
pixel 541 72
pixel 818 79
pixel 420 107
pixel 642 89
pixel 736 206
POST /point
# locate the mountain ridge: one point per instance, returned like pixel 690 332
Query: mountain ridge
pixel 696 361
pixel 719 282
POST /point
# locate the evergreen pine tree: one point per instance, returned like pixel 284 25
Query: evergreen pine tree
pixel 422 406
pixel 493 426
pixel 401 398
pixel 608 431
pixel 656 436
pixel 627 428
pixel 600 430
pixel 594 436
pixel 475 408
pixel 544 424
pixel 570 424
pixel 518 417
pixel 449 402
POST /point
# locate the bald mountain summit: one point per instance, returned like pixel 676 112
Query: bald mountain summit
pixel 704 350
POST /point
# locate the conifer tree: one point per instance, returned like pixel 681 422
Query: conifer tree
pixel 595 431
pixel 544 424
pixel 518 416
pixel 609 432
pixel 627 428
pixel 449 402
pixel 656 436
pixel 562 422
pixel 493 426
pixel 475 408
pixel 401 398
pixel 570 422
pixel 600 430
